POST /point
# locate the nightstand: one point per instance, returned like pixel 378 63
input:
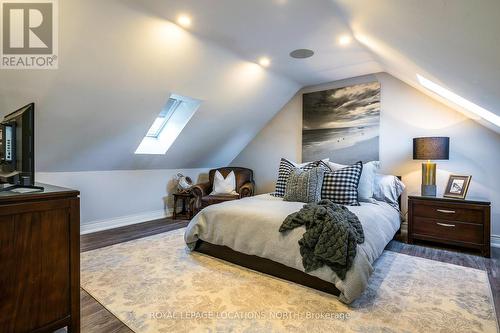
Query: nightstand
pixel 187 206
pixel 463 223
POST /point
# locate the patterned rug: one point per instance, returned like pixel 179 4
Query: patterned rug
pixel 155 285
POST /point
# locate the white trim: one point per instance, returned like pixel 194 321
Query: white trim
pixel 121 221
pixel 495 240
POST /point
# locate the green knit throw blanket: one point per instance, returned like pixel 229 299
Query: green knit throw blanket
pixel 331 237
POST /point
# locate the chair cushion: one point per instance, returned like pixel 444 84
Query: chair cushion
pixel 243 176
pixel 218 198
pixel 224 185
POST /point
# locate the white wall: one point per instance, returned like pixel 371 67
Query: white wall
pixel 405 113
pixel 113 198
pixel 451 42
pixel 118 64
pixel 282 137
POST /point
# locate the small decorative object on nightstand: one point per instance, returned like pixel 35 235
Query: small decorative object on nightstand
pixel 463 223
pixel 430 148
pixel 187 199
pixel 457 186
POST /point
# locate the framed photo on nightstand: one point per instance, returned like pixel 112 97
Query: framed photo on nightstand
pixel 457 186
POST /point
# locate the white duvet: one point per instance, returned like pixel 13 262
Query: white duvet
pixel 251 226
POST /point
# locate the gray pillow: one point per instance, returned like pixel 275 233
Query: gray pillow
pixel 304 185
pixel 388 188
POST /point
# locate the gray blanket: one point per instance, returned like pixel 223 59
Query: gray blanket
pixel 331 237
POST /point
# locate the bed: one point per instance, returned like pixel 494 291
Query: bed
pixel 245 232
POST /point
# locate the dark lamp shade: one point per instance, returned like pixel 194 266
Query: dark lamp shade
pixel 431 148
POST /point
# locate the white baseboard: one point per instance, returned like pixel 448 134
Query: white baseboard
pixel 121 221
pixel 495 240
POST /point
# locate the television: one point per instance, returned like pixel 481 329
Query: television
pixel 17 153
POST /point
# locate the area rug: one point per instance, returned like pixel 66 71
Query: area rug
pixel 155 284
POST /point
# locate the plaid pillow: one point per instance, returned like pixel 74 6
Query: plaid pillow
pixel 286 167
pixel 341 186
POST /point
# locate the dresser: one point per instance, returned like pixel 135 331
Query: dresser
pixel 40 260
pixel 462 223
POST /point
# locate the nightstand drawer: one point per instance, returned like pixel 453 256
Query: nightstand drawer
pixel 463 223
pixel 446 230
pixel 448 212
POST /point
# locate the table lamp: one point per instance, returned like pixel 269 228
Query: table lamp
pixel 430 148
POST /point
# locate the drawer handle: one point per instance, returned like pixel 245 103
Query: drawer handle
pixel 445 224
pixel 446 211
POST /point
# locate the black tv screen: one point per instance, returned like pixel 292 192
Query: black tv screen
pixel 17 153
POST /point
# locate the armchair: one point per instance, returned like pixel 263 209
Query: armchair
pixel 244 186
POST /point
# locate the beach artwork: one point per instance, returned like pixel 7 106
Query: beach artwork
pixel 342 124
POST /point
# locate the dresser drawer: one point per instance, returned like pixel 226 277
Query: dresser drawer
pixel 448 212
pixel 446 230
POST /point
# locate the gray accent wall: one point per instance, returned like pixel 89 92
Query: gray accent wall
pixel 405 113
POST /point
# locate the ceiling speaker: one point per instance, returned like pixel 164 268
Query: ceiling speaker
pixel 301 53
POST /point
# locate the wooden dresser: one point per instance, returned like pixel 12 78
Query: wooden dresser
pixel 463 223
pixel 40 260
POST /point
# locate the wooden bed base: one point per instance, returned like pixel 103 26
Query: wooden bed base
pixel 266 266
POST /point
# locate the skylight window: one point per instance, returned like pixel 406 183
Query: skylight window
pixel 460 101
pixel 163 117
pixel 168 125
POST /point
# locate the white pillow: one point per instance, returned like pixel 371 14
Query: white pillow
pixel 388 188
pixel 365 187
pixel 224 185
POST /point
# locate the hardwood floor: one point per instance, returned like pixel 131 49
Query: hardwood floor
pixel 97 319
pixel 104 238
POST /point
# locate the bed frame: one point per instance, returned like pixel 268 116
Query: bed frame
pixel 268 266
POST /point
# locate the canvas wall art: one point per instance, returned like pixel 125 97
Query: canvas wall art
pixel 342 124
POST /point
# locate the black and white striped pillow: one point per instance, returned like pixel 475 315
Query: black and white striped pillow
pixel 341 186
pixel 286 167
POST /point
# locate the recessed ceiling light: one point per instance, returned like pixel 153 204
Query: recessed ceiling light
pixel 345 40
pixel 264 61
pixel 301 53
pixel 184 20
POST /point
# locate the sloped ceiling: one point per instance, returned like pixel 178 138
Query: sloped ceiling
pixel 120 60
pixel 274 28
pixel 455 43
pixel 118 65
